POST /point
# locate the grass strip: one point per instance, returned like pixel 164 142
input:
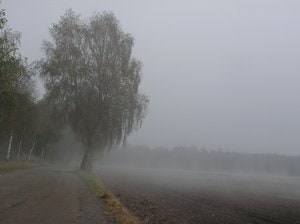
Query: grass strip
pixel 112 204
pixel 10 166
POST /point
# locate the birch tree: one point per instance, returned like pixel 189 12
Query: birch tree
pixel 93 79
pixel 16 83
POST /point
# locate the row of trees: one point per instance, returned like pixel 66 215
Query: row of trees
pixel 191 158
pixel 92 85
pixel 16 93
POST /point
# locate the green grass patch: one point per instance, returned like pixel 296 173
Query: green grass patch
pixel 10 166
pixel 92 183
pixel 112 204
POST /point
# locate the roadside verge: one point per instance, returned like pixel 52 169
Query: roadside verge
pixel 112 204
pixel 10 166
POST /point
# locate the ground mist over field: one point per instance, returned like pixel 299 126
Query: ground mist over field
pixel 194 159
pixel 164 195
pixel 69 150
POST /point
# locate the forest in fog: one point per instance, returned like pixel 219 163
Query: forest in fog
pixel 194 159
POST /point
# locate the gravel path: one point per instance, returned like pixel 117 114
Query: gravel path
pixel 47 195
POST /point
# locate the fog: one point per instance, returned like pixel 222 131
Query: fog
pixel 194 160
pixel 204 130
pixel 220 74
pixel 162 195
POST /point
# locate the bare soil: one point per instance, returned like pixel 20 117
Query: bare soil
pixel 47 195
pixel 202 198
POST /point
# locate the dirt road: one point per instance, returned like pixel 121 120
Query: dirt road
pixel 166 197
pixel 47 195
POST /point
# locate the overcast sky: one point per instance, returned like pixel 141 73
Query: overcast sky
pixel 220 74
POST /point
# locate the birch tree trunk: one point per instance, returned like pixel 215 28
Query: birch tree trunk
pixel 33 145
pixel 32 148
pixel 86 163
pixel 9 144
pixel 20 146
pixel 42 153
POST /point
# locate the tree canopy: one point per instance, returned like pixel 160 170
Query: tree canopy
pixel 92 80
pixel 16 86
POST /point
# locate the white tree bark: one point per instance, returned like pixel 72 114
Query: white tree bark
pixel 19 150
pixel 20 145
pixel 9 144
pixel 31 150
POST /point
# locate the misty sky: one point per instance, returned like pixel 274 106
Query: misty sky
pixel 220 74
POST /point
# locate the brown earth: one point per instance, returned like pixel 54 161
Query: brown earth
pixel 202 198
pixel 47 195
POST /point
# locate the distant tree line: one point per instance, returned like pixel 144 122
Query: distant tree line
pixel 194 159
pixel 92 86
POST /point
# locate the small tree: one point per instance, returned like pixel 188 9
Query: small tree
pixel 92 78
